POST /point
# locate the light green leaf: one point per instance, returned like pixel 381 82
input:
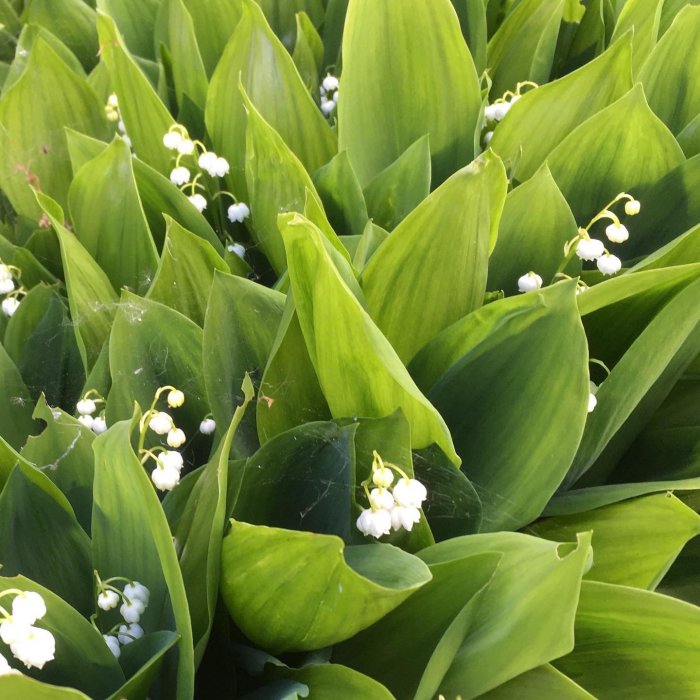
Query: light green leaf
pixel 398 189
pixel 372 237
pixel 15 404
pixel 423 81
pixel 535 226
pixel 145 116
pixel 108 218
pixel 256 58
pixel 281 15
pixel 34 147
pixel 338 682
pixel 634 542
pixel 135 20
pixel 432 270
pixel 523 47
pixel 542 682
pixel 20 686
pixel 644 16
pixel 185 273
pixel 308 52
pixel 689 138
pixel 590 172
pixel 544 117
pixel 309 591
pixel 483 377
pixel 131 538
pixel 683 250
pixel 358 370
pixel 472 19
pixel 634 645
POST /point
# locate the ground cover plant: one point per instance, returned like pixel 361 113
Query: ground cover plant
pixel 350 349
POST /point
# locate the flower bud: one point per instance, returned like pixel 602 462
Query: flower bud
pixel 175 398
pixel 632 207
pixel 207 426
pixel 617 233
pixel 176 438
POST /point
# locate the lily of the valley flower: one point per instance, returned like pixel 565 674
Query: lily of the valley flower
pixel 108 599
pixel 589 248
pixel 180 175
pixel 609 264
pixel 175 398
pixel 86 407
pixel 161 422
pixel 617 232
pixel 32 645
pixel 529 282
pixel 7 284
pixel 198 201
pixel 10 305
pixel 238 212
pixel 207 426
pixel 632 207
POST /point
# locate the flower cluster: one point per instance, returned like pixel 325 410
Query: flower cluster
pixel 390 509
pixel 32 645
pixel 329 94
pixel 9 289
pixel 191 155
pixel 134 601
pixel 169 462
pixel 114 115
pixel 86 408
pixel 497 110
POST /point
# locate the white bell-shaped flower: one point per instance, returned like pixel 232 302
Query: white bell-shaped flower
pixel 86 407
pixel 132 609
pixel 107 600
pixel 198 201
pixel 632 207
pixel 207 161
pixel 87 420
pixel 161 423
pixel 487 137
pixel 409 493
pixel 28 607
pixel 137 591
pixel 221 167
pixel 327 106
pixel 164 479
pixel 404 517
pixel 374 523
pixel 185 147
pixel 113 101
pixel 330 83
pixel 176 438
pixel 180 175
pixel 207 426
pixel 237 248
pixel 172 140
pixel 238 212
pixel 381 498
pixel 10 305
pixel 99 425
pixel 113 644
pixel 7 284
pixel 590 249
pixel 175 398
pixel 382 477
pixel 529 282
pixel 129 633
pixel 609 264
pixel 617 232
pixel 5 668
pixel 34 646
pixel 170 459
pixel 592 402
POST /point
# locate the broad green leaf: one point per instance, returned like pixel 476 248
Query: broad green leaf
pixel 644 16
pixel 634 542
pixel 40 341
pixel 239 331
pixel 333 25
pixel 689 138
pixel 131 538
pixel 108 218
pixel 144 114
pixel 186 271
pixel 256 58
pixel 508 633
pixel 413 665
pixel 516 415
pixel 372 237
pixel 91 297
pixel 535 226
pixel 200 533
pixel 342 195
pixel 667 75
pixel 683 250
pixel 338 682
pixel 41 539
pixel 423 81
pixel 472 19
pixel 588 37
pixel 35 152
pixel 637 384
pixel 358 370
pixel 309 591
pixel 63 452
pixel 82 659
pixel 544 117
pixel 277 183
pixel 398 189
pixel 432 270
pixel 151 346
pixel 18 685
pixel 669 11
pixel 281 15
pixel 590 173
pixel 189 75
pixel 15 403
pixel 633 644
pixel 308 52
pixel 135 20
pixel 523 47
pixel 74 23
pixel 302 479
pixel 542 682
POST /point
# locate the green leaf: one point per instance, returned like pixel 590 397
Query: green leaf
pixel 689 138
pixel 633 644
pixel 338 682
pixel 683 250
pixel 398 189
pixel 302 479
pixel 413 665
pixel 74 24
pixel 135 20
pixel 15 404
pixel 634 542
pixel 186 272
pixel 342 195
pixel 131 538
pixel 20 686
pixel 256 58
pixel 239 331
pixel 483 377
pixel 63 452
pixel 472 19
pixel 281 15
pixel 508 634
pixel 358 370
pixel 667 75
pixel 523 47
pixel 530 124
pixel 91 297
pixel 35 152
pixel 644 16
pixel 82 659
pixel 309 591
pixel 308 52
pixel 372 237
pixel 542 682
pixel 145 116
pixel 590 173
pixel 41 539
pixel 535 226
pixel 108 218
pixel 409 302
pixel 423 81
pixel 277 182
